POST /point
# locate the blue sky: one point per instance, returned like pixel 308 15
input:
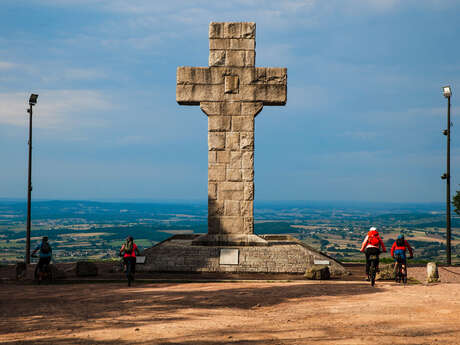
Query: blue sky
pixel 363 120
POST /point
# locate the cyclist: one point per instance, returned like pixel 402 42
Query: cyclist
pixel 398 252
pixel 129 251
pixel 372 245
pixel 45 254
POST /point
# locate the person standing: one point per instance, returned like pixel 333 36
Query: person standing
pixel 129 251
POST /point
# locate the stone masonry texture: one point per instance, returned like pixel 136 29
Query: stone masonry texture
pixel 177 254
pixel 231 92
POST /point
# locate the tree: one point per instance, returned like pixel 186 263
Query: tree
pixel 456 202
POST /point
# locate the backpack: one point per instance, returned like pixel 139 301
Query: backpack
pixel 400 242
pixel 45 248
pixel 374 238
pixel 129 247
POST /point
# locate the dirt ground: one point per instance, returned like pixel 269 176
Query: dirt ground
pixel 297 312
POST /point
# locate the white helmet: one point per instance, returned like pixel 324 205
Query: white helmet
pixel 373 228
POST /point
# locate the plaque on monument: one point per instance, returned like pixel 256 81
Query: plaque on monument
pixel 229 256
pixel 321 262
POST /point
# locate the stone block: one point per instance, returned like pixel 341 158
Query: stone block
pixel 247 161
pixel 247 174
pixel 231 44
pixel 218 123
pixel 235 160
pixel 235 58
pixel 248 30
pixel 196 93
pixel 432 272
pixel 232 208
pixel 231 225
pixel 242 44
pixel 232 30
pixel 230 186
pixel 248 191
pixel 216 141
pixel 231 108
pixel 212 190
pixel 223 156
pixel 219 44
pixel 248 227
pixel 251 108
pixel 215 207
pixel 230 194
pixel 216 172
pixel 212 156
pixel 211 108
pixel 270 75
pixel 234 175
pixel 249 58
pixel 242 123
pixel 217 58
pixel 247 141
pixel 231 84
pixel 271 94
pixel 318 272
pixel 193 75
pixel 233 141
pixel 247 208
pixel 216 30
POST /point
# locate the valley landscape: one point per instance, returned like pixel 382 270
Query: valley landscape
pixel 87 230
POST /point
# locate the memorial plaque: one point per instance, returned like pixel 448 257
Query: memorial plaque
pixel 321 262
pixel 229 257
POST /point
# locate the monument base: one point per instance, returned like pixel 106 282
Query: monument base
pixel 229 240
pixel 278 254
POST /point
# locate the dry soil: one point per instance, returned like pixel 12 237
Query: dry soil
pixel 297 312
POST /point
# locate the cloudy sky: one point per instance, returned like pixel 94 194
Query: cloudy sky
pixel 363 120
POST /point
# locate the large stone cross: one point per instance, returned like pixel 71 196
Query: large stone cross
pixel 231 92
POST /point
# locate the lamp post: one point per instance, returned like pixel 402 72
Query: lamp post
pixel 32 102
pixel 447 93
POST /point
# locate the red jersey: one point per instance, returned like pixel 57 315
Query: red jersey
pixel 133 253
pixel 366 243
pixel 404 247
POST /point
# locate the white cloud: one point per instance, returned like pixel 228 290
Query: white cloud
pixel 4 65
pixel 55 109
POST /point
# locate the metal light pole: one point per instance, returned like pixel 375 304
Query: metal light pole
pixel 447 93
pixel 32 102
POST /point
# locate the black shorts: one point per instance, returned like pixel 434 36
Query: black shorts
pixel 43 261
pixel 132 262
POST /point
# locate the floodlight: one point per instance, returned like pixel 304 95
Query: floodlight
pixel 33 99
pixel 447 91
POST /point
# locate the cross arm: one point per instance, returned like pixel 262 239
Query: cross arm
pixel 194 85
pixel 211 84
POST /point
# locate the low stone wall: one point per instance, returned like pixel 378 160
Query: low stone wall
pixel 283 254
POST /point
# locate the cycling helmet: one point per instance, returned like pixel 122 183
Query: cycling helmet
pixel 373 228
pixel 401 237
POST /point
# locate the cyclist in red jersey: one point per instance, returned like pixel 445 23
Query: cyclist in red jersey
pixel 129 251
pixel 371 246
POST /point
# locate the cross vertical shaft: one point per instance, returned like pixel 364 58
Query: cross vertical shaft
pixel 231 92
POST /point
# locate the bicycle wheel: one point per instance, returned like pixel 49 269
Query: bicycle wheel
pixel 372 273
pixel 128 273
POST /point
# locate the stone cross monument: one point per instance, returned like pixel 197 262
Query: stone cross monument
pixel 231 92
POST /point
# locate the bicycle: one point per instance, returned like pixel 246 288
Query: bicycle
pixel 373 258
pixel 43 273
pixel 401 270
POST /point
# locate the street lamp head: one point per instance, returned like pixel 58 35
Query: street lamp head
pixel 33 99
pixel 447 91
